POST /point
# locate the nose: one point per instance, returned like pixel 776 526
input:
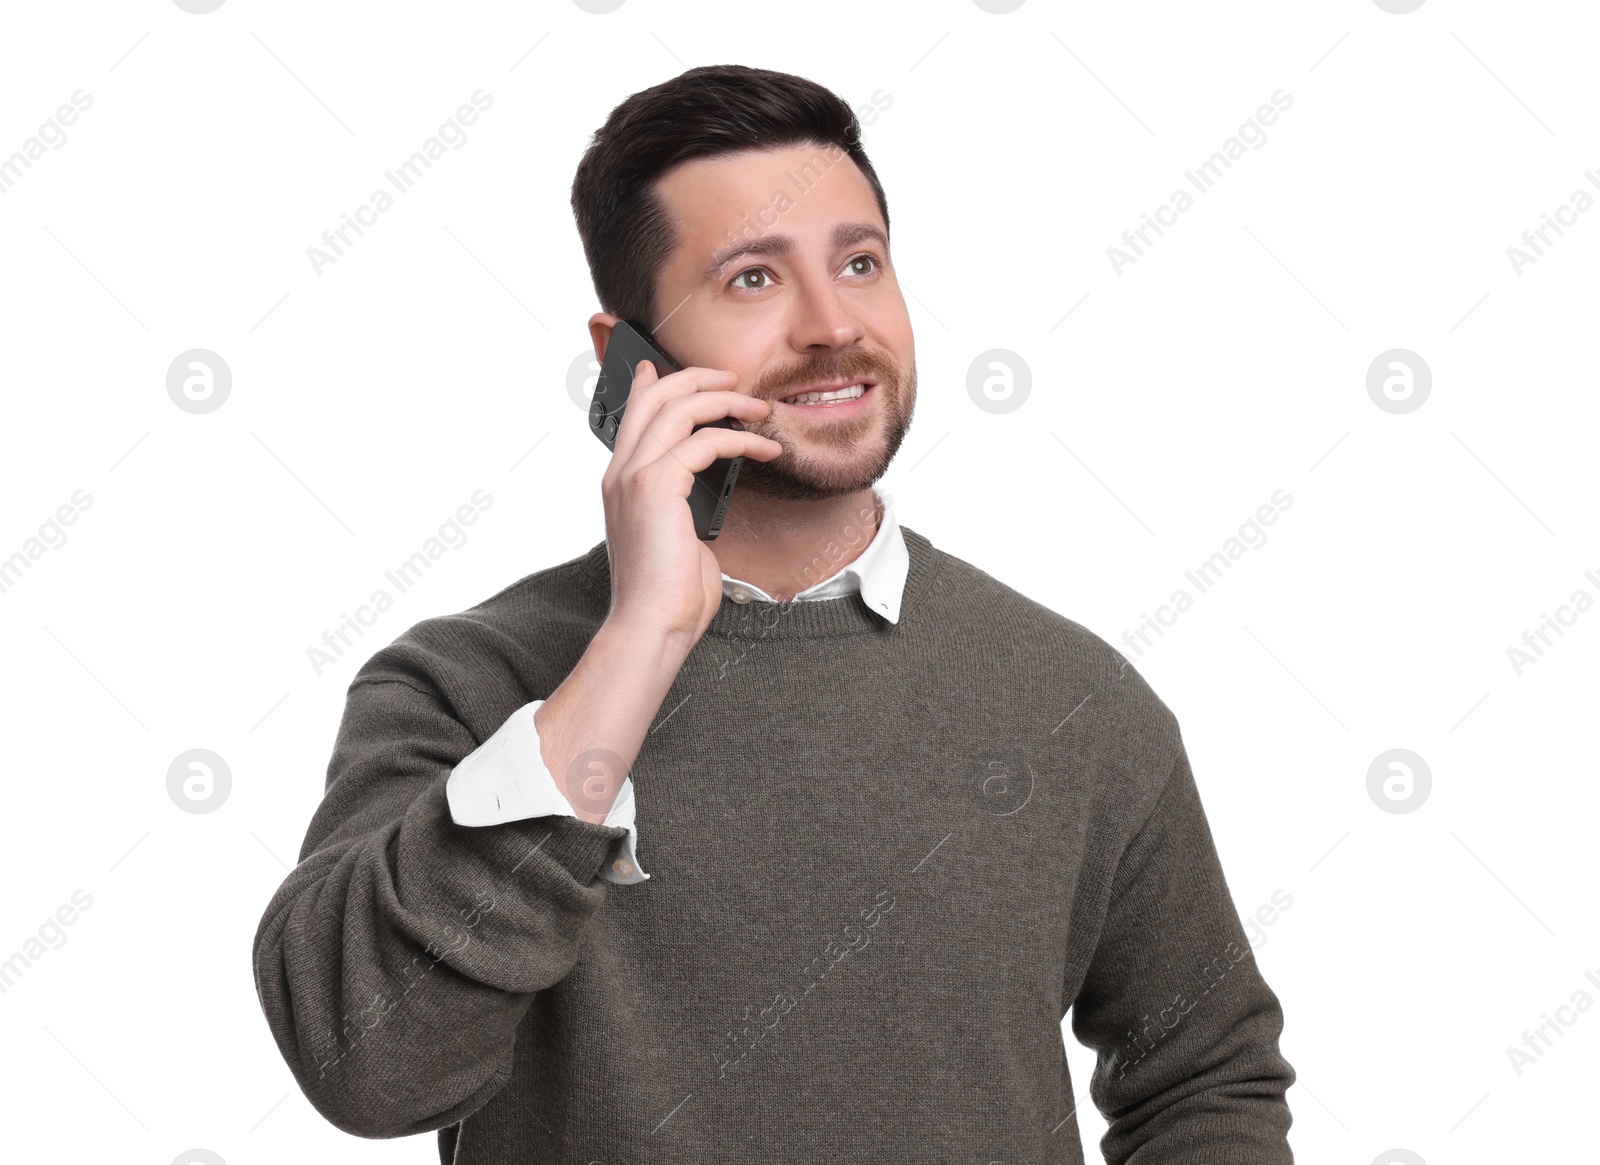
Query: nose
pixel 822 318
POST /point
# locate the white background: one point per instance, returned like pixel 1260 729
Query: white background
pixel 1168 402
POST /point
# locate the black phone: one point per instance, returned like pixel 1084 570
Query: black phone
pixel 629 344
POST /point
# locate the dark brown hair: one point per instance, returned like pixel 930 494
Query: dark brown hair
pixel 706 112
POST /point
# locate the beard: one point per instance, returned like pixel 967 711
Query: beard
pixel 833 458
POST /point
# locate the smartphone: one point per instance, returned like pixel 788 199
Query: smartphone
pixel 629 344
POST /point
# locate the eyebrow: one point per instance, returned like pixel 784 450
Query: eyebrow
pixel 846 234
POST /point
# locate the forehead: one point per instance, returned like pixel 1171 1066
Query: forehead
pixel 800 190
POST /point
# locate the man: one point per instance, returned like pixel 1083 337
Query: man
pixel 899 818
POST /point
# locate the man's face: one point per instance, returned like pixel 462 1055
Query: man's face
pixel 815 302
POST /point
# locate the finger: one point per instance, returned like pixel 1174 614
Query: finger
pixel 669 419
pixel 633 413
pixel 650 390
pixel 680 462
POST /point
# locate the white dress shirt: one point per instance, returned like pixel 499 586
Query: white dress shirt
pixel 505 778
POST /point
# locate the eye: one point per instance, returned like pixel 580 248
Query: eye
pixel 745 282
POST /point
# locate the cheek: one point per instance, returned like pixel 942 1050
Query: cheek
pixel 896 335
pixel 903 350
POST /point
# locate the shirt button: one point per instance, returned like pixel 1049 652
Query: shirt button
pixel 623 867
pixel 740 595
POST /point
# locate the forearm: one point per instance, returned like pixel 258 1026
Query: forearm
pixel 593 725
pixel 396 965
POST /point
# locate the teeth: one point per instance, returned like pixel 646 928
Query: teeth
pixel 851 393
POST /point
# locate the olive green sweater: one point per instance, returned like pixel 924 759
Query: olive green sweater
pixel 886 859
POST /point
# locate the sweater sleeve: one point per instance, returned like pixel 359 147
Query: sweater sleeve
pixel 505 779
pixel 396 960
pixel 1184 1027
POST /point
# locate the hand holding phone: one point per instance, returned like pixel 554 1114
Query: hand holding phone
pixel 671 431
pixel 629 344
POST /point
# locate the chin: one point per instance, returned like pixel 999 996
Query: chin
pixel 840 468
pixel 808 481
pixel 789 477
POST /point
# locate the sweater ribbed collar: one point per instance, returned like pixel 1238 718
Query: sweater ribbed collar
pixel 805 618
pixel 878 572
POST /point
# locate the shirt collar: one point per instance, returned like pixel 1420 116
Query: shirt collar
pixel 878 573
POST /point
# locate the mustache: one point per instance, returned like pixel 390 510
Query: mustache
pixel 849 368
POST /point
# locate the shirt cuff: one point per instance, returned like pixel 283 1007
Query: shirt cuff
pixel 505 779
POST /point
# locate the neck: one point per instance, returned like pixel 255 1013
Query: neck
pixel 784 546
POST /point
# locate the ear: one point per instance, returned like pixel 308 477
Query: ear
pixel 600 325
